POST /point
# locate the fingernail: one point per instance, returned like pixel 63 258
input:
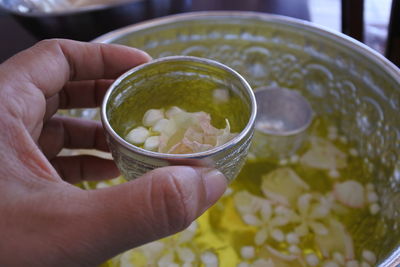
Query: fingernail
pixel 215 185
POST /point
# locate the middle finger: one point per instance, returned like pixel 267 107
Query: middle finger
pixel 65 132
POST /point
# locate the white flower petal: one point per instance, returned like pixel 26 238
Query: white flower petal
pixel 166 260
pixel 292 238
pixel 295 250
pixel 369 256
pixel 312 260
pixel 188 234
pixel 251 219
pixel 162 126
pixel 372 197
pixel 283 186
pixel 266 210
pixel 350 193
pixel 137 135
pixel 303 203
pixel 186 255
pixel 261 236
pixel 247 252
pixel 324 155
pixel 152 116
pixel 279 221
pixel 319 211
pixel 247 203
pixel 281 255
pixel 173 111
pixel 338 257
pixel 152 143
pixel 209 259
pixel 374 209
pixel 278 235
pixel 318 228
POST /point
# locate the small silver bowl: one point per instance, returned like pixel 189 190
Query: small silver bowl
pixel 283 117
pixel 187 82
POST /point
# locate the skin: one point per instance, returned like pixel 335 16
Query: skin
pixel 44 219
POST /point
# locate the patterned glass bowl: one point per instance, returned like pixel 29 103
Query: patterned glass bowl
pixel 358 88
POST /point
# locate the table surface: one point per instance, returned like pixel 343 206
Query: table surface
pixel 15 38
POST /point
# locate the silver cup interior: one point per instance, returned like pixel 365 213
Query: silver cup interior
pixel 281 111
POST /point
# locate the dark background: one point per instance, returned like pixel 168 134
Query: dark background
pixel 14 37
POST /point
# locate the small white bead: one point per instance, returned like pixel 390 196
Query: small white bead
pixel 338 257
pixel 209 259
pixel 137 136
pixel 294 159
pixel 172 112
pixel 365 264
pixel 247 252
pixel 352 263
pixel 186 255
pixel 370 187
pixel 281 210
pixel 292 238
pixel 278 235
pixel 369 256
pixel 152 116
pixel 332 136
pixel 334 173
pixel 152 143
pixel 293 249
pixel 330 264
pixel 332 129
pixel 353 152
pixel 243 264
pixel 283 162
pixel 372 197
pixel 221 95
pixel 343 139
pixel 374 208
pixel 312 260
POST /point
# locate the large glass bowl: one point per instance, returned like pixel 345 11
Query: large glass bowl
pixel 342 78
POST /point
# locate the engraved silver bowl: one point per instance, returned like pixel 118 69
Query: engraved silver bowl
pixel 352 84
pixel 188 80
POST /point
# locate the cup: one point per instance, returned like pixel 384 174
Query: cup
pixel 193 84
pixel 283 117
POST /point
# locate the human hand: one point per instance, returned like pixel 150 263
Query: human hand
pixel 46 221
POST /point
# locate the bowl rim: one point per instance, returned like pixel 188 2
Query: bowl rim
pixel 199 155
pixel 69 12
pixel 338 37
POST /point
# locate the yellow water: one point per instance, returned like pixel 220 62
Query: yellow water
pixel 223 232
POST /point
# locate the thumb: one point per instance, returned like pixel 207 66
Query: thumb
pixel 160 203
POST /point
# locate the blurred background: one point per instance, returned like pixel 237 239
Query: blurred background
pixel 24 22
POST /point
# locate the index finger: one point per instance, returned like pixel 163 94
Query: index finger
pixel 51 63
